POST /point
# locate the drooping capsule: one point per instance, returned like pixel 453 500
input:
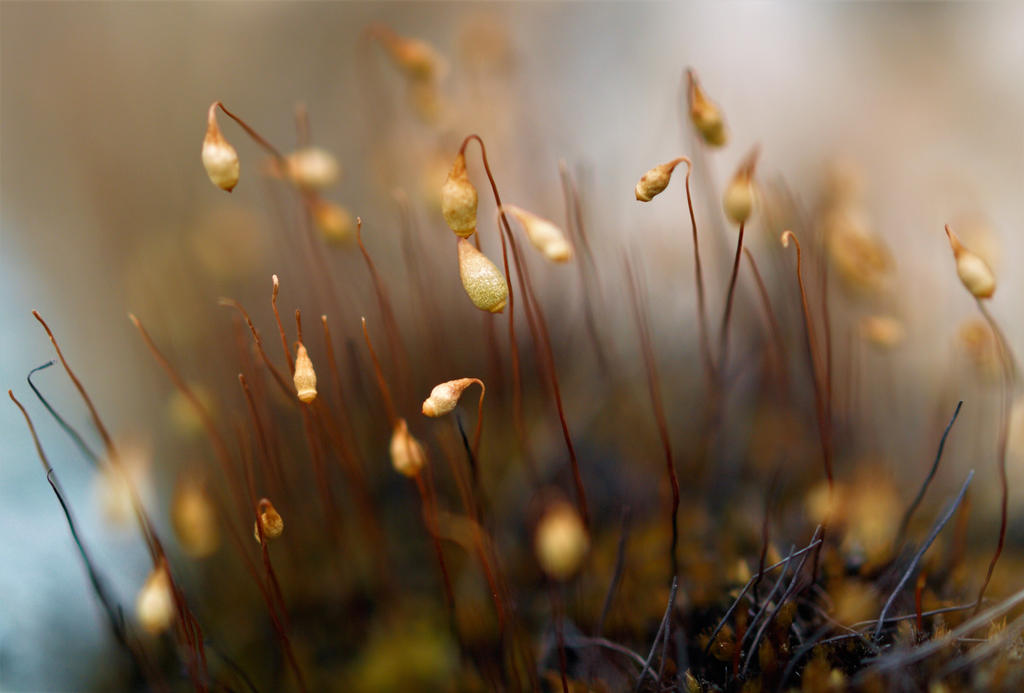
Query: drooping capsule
pixel 543 234
pixel 305 376
pixel 407 456
pixel 656 180
pixel 445 396
pixel 459 199
pixel 219 158
pixel 974 273
pixel 483 281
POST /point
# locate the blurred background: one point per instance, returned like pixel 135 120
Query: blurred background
pixel 106 209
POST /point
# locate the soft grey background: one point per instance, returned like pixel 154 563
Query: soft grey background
pixel 102 115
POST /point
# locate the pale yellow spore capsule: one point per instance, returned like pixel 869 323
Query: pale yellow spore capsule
pixel 445 396
pixel 974 273
pixel 219 158
pixel 312 168
pixel 656 180
pixel 561 542
pixel 154 605
pixel 334 221
pixel 483 281
pixel 459 199
pixel 738 201
pixel 195 520
pixel 706 116
pixel 882 331
pixel 270 520
pixel 407 456
pixel 543 234
pixel 305 376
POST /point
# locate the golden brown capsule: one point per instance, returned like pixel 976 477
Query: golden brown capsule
pixel 974 273
pixel 561 541
pixel 656 180
pixel 194 520
pixel 483 281
pixel 219 158
pixel 154 605
pixel 706 116
pixel 459 199
pixel 305 376
pixel 543 234
pixel 269 520
pixel 407 456
pixel 334 221
pixel 882 331
pixel 445 396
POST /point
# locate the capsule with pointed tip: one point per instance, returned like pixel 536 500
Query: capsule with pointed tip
pixel 459 199
pixel 305 376
pixel 445 396
pixel 269 520
pixel 407 456
pixel 219 158
pixel 543 234
pixel 154 605
pixel 483 281
pixel 974 273
pixel 656 180
pixel 706 116
pixel 738 201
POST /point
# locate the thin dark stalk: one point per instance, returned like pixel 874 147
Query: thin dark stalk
pixel 382 384
pixel 928 479
pixel 773 323
pixel 664 627
pixel 723 337
pixel 87 452
pixel 278 376
pixel 249 131
pixel 702 315
pixel 620 564
pixel 939 524
pixel 98 584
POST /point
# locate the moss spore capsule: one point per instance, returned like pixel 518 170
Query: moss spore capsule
pixel 483 281
pixel 444 397
pixel 269 520
pixel 459 199
pixel 305 376
pixel 154 605
pixel 407 456
pixel 561 542
pixel 706 116
pixel 545 235
pixel 656 180
pixel 219 158
pixel 974 273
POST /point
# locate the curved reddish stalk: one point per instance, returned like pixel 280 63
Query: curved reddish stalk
pixel 702 316
pixel 823 425
pixel 280 327
pixel 397 350
pixel 517 379
pixel 1004 423
pixel 654 389
pixel 773 323
pixel 188 630
pixel 259 139
pixel 278 377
